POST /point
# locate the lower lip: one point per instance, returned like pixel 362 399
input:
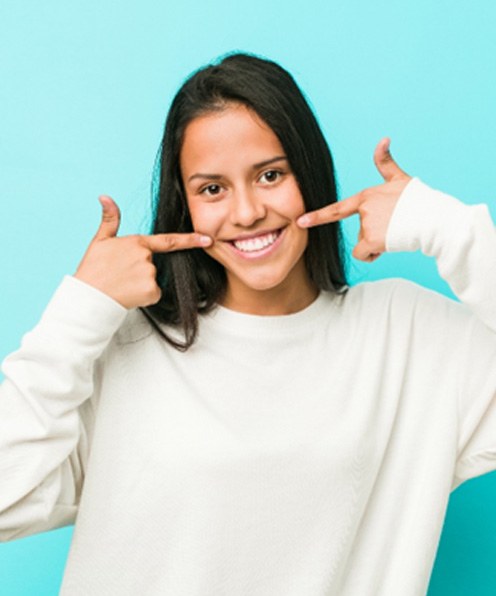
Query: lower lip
pixel 263 252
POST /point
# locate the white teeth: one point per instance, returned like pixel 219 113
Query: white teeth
pixel 252 244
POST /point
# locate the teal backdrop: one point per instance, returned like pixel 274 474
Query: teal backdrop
pixel 84 90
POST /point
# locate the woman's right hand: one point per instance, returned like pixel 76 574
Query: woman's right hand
pixel 122 267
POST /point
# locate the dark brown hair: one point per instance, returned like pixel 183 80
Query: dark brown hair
pixel 191 281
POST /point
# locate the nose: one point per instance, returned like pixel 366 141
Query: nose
pixel 247 208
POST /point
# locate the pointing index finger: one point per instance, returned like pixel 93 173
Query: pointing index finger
pixel 330 213
pixel 176 241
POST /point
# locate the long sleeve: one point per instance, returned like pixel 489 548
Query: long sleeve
pixel 45 414
pixel 462 239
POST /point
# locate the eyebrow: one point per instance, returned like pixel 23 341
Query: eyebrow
pixel 255 166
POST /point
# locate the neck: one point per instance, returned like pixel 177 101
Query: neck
pixel 284 299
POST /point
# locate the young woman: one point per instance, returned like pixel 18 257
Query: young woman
pixel 213 406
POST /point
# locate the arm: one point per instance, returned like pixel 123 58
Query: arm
pixel 46 416
pixel 45 424
pixel 403 214
pixel 461 238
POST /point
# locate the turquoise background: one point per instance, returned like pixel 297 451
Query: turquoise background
pixel 84 89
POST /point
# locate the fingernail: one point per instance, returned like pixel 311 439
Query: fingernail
pixel 304 220
pixel 205 240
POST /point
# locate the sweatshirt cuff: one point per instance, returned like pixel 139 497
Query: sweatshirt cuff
pixel 420 214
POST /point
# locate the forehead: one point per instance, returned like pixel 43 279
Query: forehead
pixel 233 136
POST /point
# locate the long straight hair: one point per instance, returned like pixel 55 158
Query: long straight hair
pixel 191 281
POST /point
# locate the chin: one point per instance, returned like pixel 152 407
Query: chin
pixel 261 284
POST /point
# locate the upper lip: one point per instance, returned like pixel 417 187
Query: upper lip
pixel 254 234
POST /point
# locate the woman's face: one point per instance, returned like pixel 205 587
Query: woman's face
pixel 241 192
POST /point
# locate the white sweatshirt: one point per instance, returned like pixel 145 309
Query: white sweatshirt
pixel 303 455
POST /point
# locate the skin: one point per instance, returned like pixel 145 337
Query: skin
pixel 231 196
pixel 122 267
pixel 374 206
pixel 250 200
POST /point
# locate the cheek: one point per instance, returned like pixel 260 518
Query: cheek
pixel 290 201
pixel 294 206
pixel 297 208
pixel 301 240
pixel 206 219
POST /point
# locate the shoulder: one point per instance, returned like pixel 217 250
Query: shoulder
pixel 398 291
pixel 395 288
pixel 134 328
pixel 402 300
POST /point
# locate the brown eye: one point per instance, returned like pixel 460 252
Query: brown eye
pixel 271 176
pixel 213 189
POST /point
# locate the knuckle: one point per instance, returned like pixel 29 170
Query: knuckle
pixel 151 271
pixel 134 241
pixel 366 228
pixel 140 246
pixel 365 195
pixel 169 242
pixel 365 212
pixel 143 251
pixel 153 295
pixel 151 290
pixel 370 236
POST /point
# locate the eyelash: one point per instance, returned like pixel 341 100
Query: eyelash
pixel 279 173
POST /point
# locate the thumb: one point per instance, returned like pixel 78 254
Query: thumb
pixel 111 218
pixel 385 163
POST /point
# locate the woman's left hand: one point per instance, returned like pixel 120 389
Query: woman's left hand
pixel 374 205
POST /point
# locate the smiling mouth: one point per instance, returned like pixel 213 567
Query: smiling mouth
pixel 256 243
